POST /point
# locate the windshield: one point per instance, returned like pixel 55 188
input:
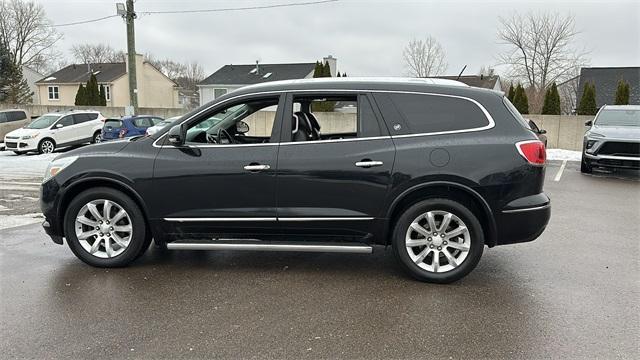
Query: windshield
pixel 43 122
pixel 618 118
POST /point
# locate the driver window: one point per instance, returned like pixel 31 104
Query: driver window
pixel 249 122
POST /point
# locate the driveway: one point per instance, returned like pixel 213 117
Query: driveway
pixel 573 293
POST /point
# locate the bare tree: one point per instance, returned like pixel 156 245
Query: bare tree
pixel 97 53
pixel 186 75
pixel 26 31
pixel 424 58
pixel 540 50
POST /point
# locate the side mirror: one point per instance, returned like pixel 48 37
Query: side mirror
pixel 589 123
pixel 58 126
pixel 175 136
pixel 242 127
pixel 542 131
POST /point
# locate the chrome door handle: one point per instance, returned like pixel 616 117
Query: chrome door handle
pixel 256 167
pixel 369 163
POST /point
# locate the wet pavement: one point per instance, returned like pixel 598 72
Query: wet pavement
pixel 573 293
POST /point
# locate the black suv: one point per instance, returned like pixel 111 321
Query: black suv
pixel 433 168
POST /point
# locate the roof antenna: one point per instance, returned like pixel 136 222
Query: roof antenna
pixel 257 68
pixel 461 71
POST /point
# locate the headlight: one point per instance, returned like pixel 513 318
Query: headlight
pixel 58 165
pixel 33 136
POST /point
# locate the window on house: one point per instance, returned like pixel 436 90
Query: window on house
pixel 54 93
pixel 218 92
pixel 107 92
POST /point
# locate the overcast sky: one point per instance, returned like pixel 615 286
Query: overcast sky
pixel 367 37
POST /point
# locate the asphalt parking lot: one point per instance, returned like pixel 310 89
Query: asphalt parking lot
pixel 573 293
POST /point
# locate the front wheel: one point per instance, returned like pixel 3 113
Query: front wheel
pixel 97 137
pixel 46 146
pixel 105 228
pixel 585 166
pixel 438 240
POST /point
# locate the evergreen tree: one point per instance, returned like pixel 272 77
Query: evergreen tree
pixel 338 74
pixel 520 100
pixel 17 89
pixel 587 104
pixel 5 71
pixel 512 93
pixel 318 70
pixel 551 101
pixel 92 92
pixel 102 96
pixel 81 96
pixel 622 93
pixel 344 74
pixel 326 69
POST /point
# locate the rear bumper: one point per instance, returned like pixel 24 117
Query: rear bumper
pixel 524 219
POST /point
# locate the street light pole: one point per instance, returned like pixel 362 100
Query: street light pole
pixel 130 16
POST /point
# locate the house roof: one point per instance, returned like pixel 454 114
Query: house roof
pixel 77 73
pixel 606 80
pixel 246 74
pixel 481 81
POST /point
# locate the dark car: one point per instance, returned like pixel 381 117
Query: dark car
pixel 128 126
pixel 433 168
pixel 613 139
pixel 540 133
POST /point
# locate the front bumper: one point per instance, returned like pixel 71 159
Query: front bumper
pixel 21 144
pixel 523 219
pixel 49 206
pixel 623 162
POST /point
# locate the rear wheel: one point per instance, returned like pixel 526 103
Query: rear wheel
pixel 438 240
pixel 105 228
pixel 19 152
pixel 97 137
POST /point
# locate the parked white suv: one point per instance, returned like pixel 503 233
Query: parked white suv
pixel 55 130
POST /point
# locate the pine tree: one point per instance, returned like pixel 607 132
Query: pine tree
pixel 318 70
pixel 587 104
pixel 338 75
pixel 551 101
pixel 102 96
pixel 326 69
pixel 344 74
pixel 92 92
pixel 512 93
pixel 520 100
pixel 17 90
pixel 81 96
pixel 5 71
pixel 622 93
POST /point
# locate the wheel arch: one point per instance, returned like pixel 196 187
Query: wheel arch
pixel 47 138
pixel 88 183
pixel 449 190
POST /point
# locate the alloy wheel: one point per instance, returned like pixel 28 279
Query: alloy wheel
pixel 46 147
pixel 438 241
pixel 104 228
pixel 97 138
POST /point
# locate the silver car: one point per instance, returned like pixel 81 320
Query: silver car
pixel 10 120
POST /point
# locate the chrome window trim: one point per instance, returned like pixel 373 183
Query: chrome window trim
pixel 488 116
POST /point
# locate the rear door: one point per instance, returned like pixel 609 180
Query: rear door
pixel 333 180
pixel 64 130
pixel 85 125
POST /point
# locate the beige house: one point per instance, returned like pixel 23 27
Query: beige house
pixel 154 88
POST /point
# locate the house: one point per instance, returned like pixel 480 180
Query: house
pixel 32 76
pixel 482 81
pixel 188 99
pixel 606 81
pixel 154 88
pixel 232 77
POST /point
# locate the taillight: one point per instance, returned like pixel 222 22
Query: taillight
pixel 122 133
pixel 533 151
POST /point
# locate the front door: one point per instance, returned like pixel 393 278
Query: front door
pixel 334 165
pixel 223 180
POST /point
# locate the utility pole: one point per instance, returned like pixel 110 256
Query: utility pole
pixel 130 15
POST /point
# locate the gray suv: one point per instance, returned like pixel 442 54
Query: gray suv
pixel 613 141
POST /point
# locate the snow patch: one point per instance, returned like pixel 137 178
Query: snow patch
pixel 10 221
pixel 16 166
pixel 560 154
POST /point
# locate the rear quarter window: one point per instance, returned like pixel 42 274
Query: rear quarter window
pixel 425 113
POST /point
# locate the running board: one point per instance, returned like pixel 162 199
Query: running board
pixel 301 247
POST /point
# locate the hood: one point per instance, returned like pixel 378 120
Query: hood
pixel 24 132
pixel 617 132
pixel 110 147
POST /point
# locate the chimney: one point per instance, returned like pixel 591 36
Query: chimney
pixel 257 68
pixel 333 64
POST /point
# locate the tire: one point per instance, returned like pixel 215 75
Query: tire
pixel 585 166
pixel 421 270
pixel 19 152
pixel 97 138
pixel 46 146
pixel 133 219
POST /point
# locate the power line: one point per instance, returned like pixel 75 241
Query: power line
pixel 240 8
pixel 85 21
pixel 202 11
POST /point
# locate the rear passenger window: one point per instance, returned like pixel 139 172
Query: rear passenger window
pixel 80 118
pixel 425 113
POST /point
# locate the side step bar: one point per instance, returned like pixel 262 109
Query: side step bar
pixel 301 247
